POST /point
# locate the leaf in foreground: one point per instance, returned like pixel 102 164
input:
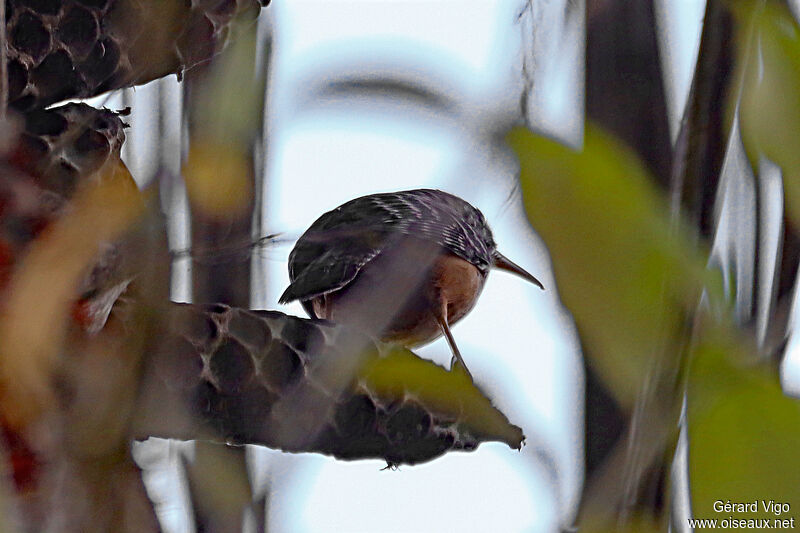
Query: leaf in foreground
pixel 35 314
pixel 744 432
pixel 769 65
pixel 624 274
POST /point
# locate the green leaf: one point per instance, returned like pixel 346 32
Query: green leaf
pixel 450 395
pixel 229 100
pixel 769 65
pixel 622 270
pixel 743 432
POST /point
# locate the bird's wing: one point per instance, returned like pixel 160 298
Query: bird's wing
pixel 330 254
pixel 314 271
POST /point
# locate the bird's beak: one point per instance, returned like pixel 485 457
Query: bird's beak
pixel 504 263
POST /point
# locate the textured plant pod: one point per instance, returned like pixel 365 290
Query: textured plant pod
pixel 56 151
pixel 252 377
pixel 50 158
pixel 59 49
pixel 60 146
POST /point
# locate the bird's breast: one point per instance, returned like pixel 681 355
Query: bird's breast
pixel 456 283
pixel 399 301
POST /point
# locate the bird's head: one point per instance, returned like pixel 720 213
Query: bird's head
pixel 483 247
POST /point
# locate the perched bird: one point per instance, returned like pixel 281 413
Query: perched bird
pixel 404 266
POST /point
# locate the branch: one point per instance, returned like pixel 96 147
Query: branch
pixel 129 43
pixel 263 377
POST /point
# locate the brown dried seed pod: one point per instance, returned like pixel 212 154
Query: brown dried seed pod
pixel 60 49
pixel 62 145
pixel 56 150
pixel 53 150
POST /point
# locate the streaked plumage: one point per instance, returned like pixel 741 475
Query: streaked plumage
pixel 339 243
pixel 363 237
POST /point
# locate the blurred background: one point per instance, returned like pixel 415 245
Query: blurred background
pixel 371 96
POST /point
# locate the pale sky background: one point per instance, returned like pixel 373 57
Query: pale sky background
pixel 324 150
pixel 520 346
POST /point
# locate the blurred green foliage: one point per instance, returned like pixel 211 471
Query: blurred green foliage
pixel 633 280
pixel 768 52
pixel 228 104
pixel 744 433
pixel 627 278
pixel 447 394
pixel 227 107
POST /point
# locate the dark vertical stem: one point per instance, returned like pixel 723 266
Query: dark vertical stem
pixel 700 148
pixel 624 82
pixel 225 278
pixel 786 282
pixel 625 95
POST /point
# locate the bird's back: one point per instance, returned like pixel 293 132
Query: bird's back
pixel 331 253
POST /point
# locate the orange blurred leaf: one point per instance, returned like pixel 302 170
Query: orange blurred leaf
pixel 35 314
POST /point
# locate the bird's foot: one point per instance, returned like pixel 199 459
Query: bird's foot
pixel 457 365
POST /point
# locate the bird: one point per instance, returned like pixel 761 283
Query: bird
pixel 404 266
